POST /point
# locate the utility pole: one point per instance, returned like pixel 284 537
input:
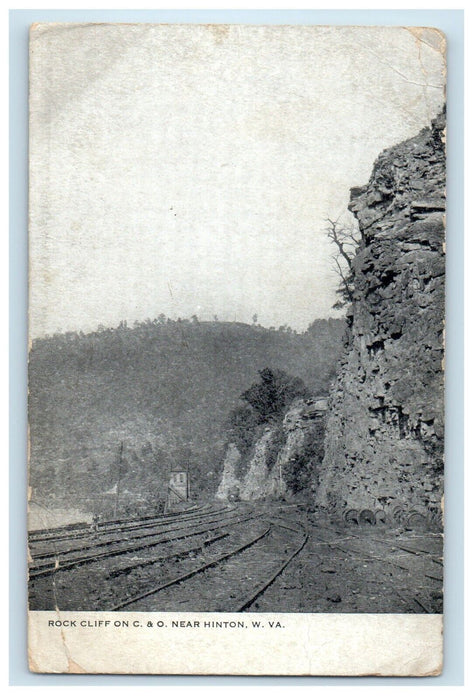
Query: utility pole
pixel 117 493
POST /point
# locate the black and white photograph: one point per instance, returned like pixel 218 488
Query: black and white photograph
pixel 236 322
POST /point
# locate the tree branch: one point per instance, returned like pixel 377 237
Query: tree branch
pixel 347 243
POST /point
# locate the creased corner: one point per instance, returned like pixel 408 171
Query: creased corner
pixel 431 36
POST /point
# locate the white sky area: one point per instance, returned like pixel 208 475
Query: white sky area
pixel 190 169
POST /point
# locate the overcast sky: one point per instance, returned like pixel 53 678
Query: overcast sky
pixel 189 169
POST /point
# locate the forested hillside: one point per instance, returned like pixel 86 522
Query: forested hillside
pixel 127 404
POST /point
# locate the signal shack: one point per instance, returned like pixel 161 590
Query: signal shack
pixel 178 488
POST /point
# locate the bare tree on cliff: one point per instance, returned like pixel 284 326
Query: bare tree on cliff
pixel 346 240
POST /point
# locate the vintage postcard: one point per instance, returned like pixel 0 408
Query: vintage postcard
pixel 236 323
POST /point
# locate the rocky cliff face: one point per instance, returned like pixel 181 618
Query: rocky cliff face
pixel 285 458
pixel 384 439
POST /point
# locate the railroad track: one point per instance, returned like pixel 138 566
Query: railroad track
pixel 387 543
pixel 57 581
pixel 345 542
pixel 106 550
pixel 122 525
pixel 95 540
pixel 176 554
pixel 226 559
pixel 232 581
pixel 241 544
pixel 92 551
pixel 409 558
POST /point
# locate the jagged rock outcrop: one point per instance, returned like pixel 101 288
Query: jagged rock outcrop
pixel 284 459
pixel 229 482
pixel 384 438
pixel 256 482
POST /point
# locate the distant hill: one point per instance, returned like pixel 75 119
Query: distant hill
pixel 159 394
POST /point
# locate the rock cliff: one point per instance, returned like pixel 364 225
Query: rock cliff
pixel 285 458
pixel 384 437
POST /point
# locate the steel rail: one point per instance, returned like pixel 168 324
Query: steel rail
pixel 172 555
pixel 255 594
pixel 83 525
pixel 261 589
pixel 190 574
pixel 418 552
pixel 107 543
pixel 136 524
pixel 48 570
